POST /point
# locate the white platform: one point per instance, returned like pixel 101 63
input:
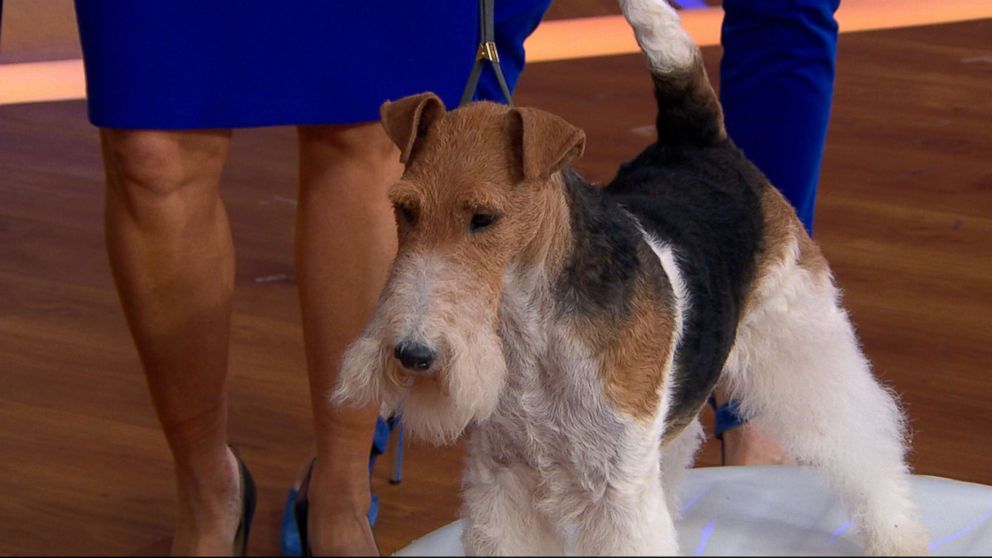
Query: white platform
pixel 769 511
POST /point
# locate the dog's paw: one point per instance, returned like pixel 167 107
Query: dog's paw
pixel 908 538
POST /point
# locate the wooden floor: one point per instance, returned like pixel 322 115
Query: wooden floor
pixel 905 216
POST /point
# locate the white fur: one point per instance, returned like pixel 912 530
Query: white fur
pixel 500 504
pixel 660 34
pixel 587 468
pixel 428 300
pixel 666 255
pixel 798 372
pixel 679 454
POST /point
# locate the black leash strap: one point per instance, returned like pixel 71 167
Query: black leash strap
pixel 486 53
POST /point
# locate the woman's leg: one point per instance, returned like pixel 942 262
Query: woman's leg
pixel 345 244
pixel 173 262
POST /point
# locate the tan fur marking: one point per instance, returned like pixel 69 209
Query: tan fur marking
pixel 553 233
pixel 782 229
pixel 812 259
pixel 448 189
pixel 406 119
pixel 781 225
pixel 549 142
pixel 635 355
pixel 471 160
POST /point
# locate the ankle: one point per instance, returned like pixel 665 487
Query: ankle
pixel 208 505
pixel 340 491
pixel 341 529
pixel 338 522
pixel 748 445
pixel 208 477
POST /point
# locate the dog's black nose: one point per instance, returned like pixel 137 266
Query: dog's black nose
pixel 414 356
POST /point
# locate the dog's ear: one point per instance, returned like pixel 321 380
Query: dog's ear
pixel 547 142
pixel 408 119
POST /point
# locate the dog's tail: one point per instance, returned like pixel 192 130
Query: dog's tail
pixel 688 109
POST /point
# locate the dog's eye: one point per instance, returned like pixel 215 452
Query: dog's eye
pixel 481 221
pixel 406 212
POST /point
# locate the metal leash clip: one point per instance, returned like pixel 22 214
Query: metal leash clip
pixel 487 53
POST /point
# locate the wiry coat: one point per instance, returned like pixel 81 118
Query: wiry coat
pixel 579 331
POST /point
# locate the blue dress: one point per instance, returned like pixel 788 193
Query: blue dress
pixel 182 64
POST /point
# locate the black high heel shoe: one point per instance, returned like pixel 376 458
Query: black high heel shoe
pixel 247 506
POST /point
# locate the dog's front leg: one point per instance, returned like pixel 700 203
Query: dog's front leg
pixel 500 518
pixel 630 519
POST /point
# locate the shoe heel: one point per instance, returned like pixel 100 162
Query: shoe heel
pixel 248 502
pixel 395 450
pixel 301 509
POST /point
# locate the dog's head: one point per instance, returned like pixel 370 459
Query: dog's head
pixel 468 208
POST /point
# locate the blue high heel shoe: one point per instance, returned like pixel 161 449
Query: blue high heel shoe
pixel 727 417
pixel 295 512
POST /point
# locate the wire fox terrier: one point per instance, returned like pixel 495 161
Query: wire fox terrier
pixel 579 331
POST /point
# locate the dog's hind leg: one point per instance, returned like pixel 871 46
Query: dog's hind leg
pixel 798 372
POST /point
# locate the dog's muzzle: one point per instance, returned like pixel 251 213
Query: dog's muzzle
pixel 415 357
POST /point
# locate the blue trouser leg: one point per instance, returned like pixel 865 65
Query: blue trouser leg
pixel 776 84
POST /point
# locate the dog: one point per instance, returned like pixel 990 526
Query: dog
pixel 579 331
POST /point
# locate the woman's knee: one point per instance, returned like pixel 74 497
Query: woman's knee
pixel 347 167
pixel 154 166
pixel 353 142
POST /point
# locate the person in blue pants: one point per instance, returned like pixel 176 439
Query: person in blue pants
pixel 776 86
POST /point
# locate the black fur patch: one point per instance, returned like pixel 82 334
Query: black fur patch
pixel 598 279
pixel 688 111
pixel 706 204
